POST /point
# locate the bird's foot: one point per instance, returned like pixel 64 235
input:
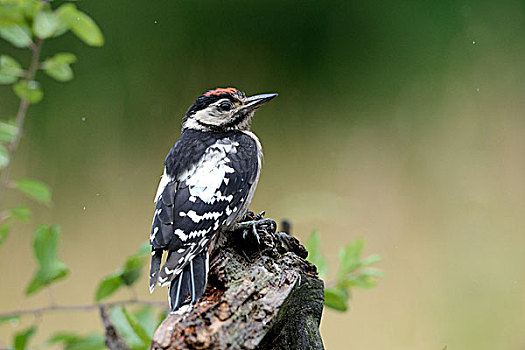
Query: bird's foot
pixel 251 228
pixel 253 232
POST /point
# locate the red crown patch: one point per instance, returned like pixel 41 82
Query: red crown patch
pixel 220 91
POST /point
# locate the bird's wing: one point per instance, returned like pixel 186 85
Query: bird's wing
pixel 196 204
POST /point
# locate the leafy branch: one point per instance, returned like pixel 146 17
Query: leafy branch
pixel 50 268
pixel 27 24
pixel 136 328
pixel 354 272
pixel 8 64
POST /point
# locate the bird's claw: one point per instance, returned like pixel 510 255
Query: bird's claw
pixel 255 234
pixel 251 227
pixel 247 231
pixel 261 223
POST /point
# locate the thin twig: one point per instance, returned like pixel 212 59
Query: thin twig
pixel 84 307
pixel 52 300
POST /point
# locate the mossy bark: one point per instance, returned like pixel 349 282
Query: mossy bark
pixel 264 298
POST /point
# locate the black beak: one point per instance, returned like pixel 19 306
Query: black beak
pixel 257 101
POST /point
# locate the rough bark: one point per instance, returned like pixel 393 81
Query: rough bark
pixel 259 296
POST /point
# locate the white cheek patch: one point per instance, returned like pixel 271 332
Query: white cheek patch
pixel 210 116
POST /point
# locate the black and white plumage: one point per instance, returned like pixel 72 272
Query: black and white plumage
pixel 208 183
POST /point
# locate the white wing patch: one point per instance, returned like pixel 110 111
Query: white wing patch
pixel 205 178
pixel 199 233
pixel 198 218
pixel 181 234
pixel 220 197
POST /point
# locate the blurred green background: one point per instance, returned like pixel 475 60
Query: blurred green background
pixel 398 121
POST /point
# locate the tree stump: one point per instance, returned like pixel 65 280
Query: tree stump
pixel 259 296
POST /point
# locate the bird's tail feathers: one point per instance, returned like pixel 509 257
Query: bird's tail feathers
pixel 172 267
pixel 190 281
pixel 156 258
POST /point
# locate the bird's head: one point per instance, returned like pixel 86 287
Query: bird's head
pixel 223 109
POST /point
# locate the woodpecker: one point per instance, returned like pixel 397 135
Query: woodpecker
pixel 209 179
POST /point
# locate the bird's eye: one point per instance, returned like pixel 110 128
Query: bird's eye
pixel 225 106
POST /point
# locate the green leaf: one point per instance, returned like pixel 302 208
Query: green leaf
pixel 372 259
pixel 34 189
pixel 45 24
pixel 9 65
pixel 372 272
pixel 132 269
pixel 109 285
pixel 63 337
pixel 11 15
pixel 336 299
pixel 349 257
pixel 28 90
pixel 147 320
pixel 134 264
pixel 127 275
pixel 60 58
pixel 17 34
pixel 31 8
pixel 58 67
pixel 45 248
pixel 123 327
pixel 7 79
pixel 4 231
pixel 60 73
pixel 81 25
pixel 314 253
pixel 11 319
pixel 73 341
pixel 365 279
pixel 21 213
pixel 137 328
pixel 4 157
pixel 355 247
pixel 22 338
pixel 62 29
pixel 363 282
pixel 8 131
pixel 10 70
